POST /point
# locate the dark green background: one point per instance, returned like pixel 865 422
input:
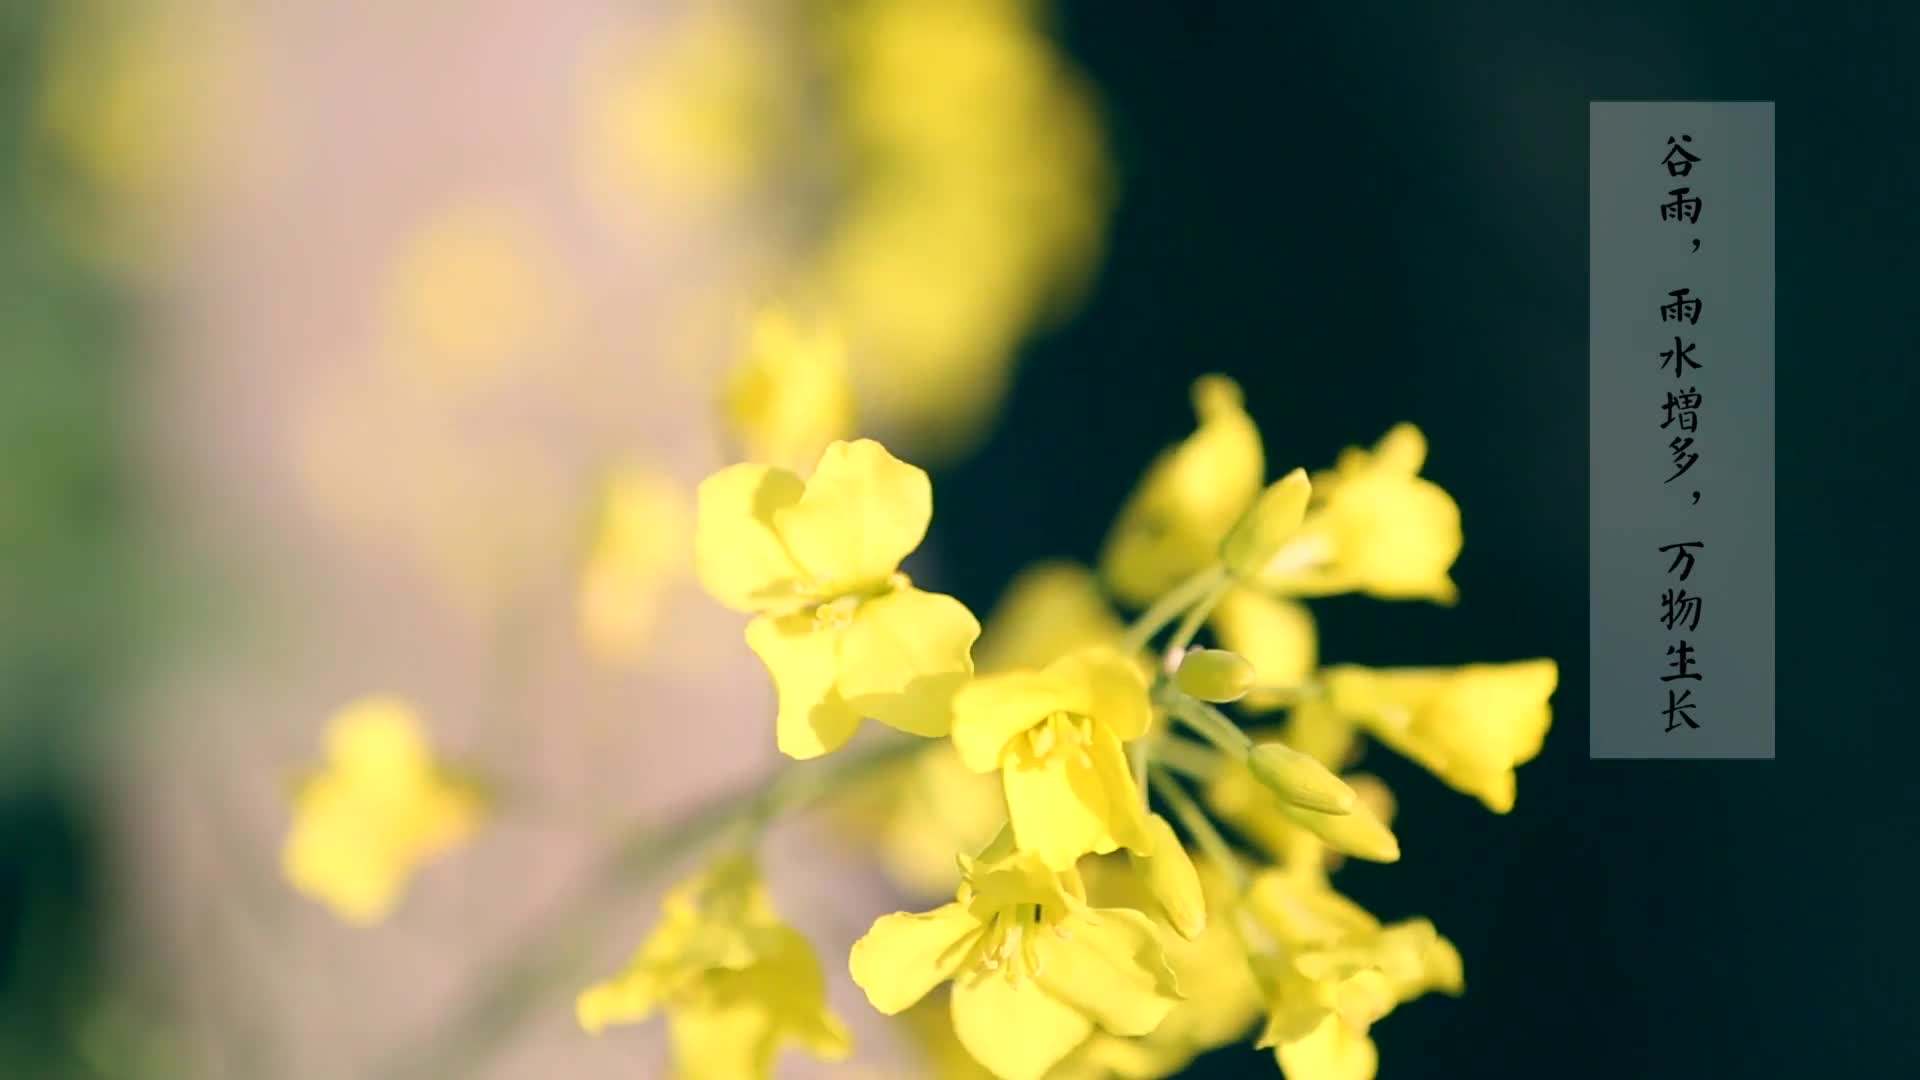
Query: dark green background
pixel 1365 213
pixel 1376 212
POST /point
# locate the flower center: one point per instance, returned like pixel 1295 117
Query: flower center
pixel 1061 736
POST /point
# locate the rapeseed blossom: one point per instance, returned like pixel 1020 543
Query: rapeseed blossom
pixel 1056 736
pixel 735 982
pixel 378 809
pixel 791 393
pixel 843 632
pixel 1035 968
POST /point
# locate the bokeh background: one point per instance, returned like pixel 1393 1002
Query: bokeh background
pixel 321 325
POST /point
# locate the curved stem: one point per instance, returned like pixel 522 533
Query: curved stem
pixel 1170 606
pixel 563 950
pixel 1195 821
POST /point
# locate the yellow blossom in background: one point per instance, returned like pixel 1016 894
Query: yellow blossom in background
pixel 915 813
pixel 375 811
pixel 842 632
pixel 1470 726
pixel 471 291
pixel 639 548
pixel 1191 495
pixel 1276 636
pixel 1035 968
pixel 1328 971
pixel 1055 736
pixel 735 982
pixel 1049 610
pixel 1375 526
pixel 972 196
pixel 693 113
pixel 791 393
pixel 137 114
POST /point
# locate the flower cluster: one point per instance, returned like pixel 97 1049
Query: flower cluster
pixel 1090 937
pixel 1135 878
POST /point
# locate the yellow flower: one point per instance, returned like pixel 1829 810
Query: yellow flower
pixel 1470 725
pixel 1035 968
pixel 972 200
pixel 1329 971
pixel 735 981
pixel 638 548
pixel 791 394
pixel 1055 735
pixel 1190 497
pixel 1374 526
pixel 1221 998
pixel 1275 635
pixel 378 809
pixel 1049 610
pixel 842 632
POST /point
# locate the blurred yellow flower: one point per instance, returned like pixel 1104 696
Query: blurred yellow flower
pixel 639 547
pixel 1191 495
pixel 693 115
pixel 1049 610
pixel 1055 737
pixel 1375 526
pixel 791 394
pixel 842 632
pixel 378 809
pixel 736 982
pixel 470 292
pixel 1470 726
pixel 916 812
pixel 1329 970
pixel 138 108
pixel 1036 970
pixel 973 196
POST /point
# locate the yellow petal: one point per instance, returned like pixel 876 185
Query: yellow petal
pixel 1013 1026
pixel 803 658
pixel 863 511
pixel 905 955
pixel 904 657
pixel 1332 1051
pixel 1126 808
pixel 1116 693
pixel 628 997
pixel 1058 808
pixel 1110 966
pixel 1049 610
pixel 735 1042
pixel 988 712
pixel 739 557
pixel 1171 879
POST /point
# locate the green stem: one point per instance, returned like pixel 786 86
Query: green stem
pixel 564 951
pixel 1169 607
pixel 1208 722
pixel 1197 614
pixel 1195 761
pixel 1195 821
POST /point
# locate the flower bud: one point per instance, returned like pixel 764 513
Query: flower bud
pixel 1169 875
pixel 1267 525
pixel 1300 779
pixel 1214 675
pixel 1358 833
